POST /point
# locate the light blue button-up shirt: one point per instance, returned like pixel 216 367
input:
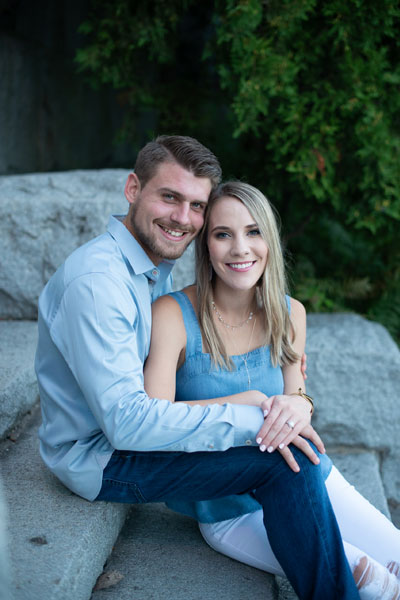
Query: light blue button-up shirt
pixel 94 336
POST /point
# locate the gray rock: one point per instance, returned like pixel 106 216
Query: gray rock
pixel 18 386
pixel 161 554
pixel 354 375
pixel 183 272
pixel 58 541
pixel 44 217
pixel 5 579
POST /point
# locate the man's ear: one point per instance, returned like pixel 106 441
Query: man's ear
pixel 132 188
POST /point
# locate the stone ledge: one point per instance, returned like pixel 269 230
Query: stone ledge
pixel 18 386
pixel 58 541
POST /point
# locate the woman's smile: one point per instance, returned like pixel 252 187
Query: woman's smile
pixel 246 266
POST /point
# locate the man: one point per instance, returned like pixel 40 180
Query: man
pixel 105 439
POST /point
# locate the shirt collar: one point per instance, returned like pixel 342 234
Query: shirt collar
pixel 134 253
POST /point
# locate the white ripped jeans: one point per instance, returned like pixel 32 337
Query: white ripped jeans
pixel 365 531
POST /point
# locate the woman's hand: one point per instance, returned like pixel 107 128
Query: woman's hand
pixel 285 417
pixel 277 434
pixel 303 445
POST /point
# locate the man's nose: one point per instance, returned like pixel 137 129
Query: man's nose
pixel 181 213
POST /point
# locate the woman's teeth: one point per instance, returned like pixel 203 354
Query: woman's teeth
pixel 240 265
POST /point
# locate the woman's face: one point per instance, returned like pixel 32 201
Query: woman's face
pixel 237 251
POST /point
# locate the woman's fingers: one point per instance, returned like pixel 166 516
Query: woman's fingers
pixel 310 433
pixel 305 447
pixel 284 421
pixel 289 458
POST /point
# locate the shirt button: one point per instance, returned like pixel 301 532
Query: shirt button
pixel 211 446
pixel 249 443
pixel 154 272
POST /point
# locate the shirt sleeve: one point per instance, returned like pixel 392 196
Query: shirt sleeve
pixel 96 330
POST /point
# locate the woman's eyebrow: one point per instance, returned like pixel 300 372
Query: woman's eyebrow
pixel 224 227
pixel 227 228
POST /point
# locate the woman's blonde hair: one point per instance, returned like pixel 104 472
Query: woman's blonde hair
pixel 271 288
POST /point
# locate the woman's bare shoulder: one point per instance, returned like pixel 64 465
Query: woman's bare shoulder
pixel 297 310
pixel 168 303
pixel 191 293
pixel 167 321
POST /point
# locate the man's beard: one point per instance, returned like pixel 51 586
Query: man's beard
pixel 163 251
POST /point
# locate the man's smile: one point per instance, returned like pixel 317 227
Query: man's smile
pixel 177 234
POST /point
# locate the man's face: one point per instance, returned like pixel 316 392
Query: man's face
pixel 168 212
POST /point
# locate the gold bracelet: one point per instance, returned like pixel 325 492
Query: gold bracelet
pixel 306 397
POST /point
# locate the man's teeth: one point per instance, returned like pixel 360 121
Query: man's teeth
pixel 174 233
pixel 241 265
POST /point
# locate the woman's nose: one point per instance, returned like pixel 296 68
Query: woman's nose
pixel 240 247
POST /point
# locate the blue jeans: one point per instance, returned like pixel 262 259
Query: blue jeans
pixel 298 516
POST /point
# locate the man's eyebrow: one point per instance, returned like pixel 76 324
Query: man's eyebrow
pixel 171 191
pixel 180 196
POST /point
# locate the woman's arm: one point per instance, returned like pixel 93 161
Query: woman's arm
pixel 292 375
pixel 167 354
pixel 290 414
pixel 167 346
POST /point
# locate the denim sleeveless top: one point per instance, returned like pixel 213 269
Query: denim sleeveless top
pixel 198 379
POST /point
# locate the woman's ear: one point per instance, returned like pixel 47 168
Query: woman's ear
pixel 132 188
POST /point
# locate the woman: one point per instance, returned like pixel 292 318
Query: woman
pixel 236 337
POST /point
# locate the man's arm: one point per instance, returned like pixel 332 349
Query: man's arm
pixel 97 333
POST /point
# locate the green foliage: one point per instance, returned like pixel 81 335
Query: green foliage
pixel 299 97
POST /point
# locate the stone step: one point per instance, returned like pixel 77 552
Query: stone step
pixel 18 387
pixel 161 554
pixel 58 542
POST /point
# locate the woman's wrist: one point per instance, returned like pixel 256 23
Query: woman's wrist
pixel 301 394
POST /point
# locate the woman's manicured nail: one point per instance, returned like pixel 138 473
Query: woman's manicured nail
pixel 262 448
pixel 265 412
pixel 281 446
pixel 259 440
pixel 270 449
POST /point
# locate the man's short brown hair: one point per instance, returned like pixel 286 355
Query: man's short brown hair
pixel 183 150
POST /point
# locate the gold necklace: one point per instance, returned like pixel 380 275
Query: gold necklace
pixel 244 358
pixel 221 319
